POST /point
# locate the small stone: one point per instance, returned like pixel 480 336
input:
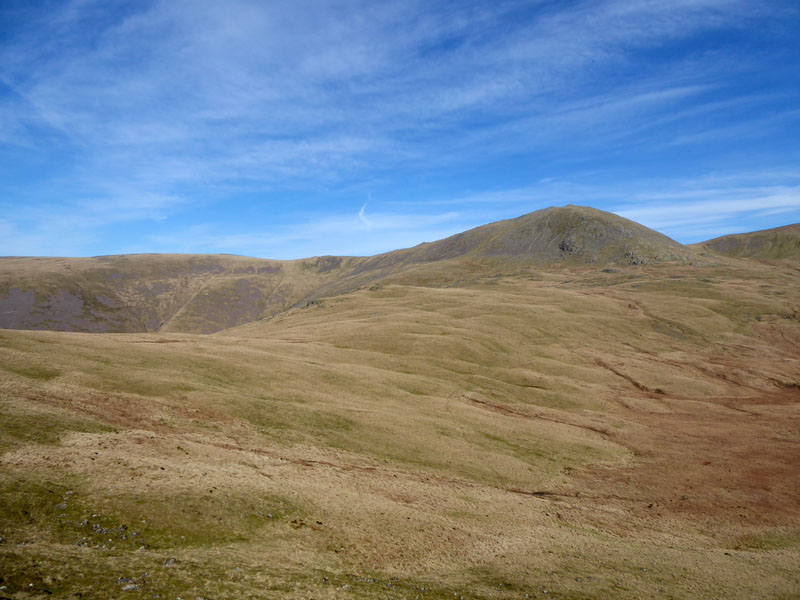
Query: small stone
pixel 61 506
pixel 131 587
pixel 169 562
pixel 346 586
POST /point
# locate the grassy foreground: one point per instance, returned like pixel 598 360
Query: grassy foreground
pixel 454 431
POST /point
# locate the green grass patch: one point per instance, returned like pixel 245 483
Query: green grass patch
pixel 293 420
pixel 19 429
pixel 35 372
pixel 544 455
pixel 151 387
pixel 74 573
pixel 48 512
pixel 778 539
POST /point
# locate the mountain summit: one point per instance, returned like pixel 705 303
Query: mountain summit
pixel 571 235
pixel 575 234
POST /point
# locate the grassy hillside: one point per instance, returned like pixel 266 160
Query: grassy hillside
pixel 153 292
pixel 781 243
pixel 572 234
pixel 472 428
pixel 207 293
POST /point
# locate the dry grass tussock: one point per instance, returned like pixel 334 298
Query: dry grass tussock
pixel 564 433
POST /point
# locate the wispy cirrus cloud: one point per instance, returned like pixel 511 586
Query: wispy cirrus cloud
pixel 183 112
pixel 315 236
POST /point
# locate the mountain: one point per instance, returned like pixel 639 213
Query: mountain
pixel 781 243
pixel 206 293
pixel 571 234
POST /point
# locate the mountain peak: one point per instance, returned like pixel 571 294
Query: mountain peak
pixel 572 234
pixel 588 235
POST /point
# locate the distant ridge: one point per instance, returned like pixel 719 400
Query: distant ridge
pixel 780 243
pixel 153 292
pixel 208 293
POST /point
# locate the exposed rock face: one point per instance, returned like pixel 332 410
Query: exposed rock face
pixel 781 243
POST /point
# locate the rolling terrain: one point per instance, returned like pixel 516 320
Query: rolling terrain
pixel 781 243
pixel 564 405
pixel 208 293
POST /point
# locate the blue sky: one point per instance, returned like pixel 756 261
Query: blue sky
pixel 299 128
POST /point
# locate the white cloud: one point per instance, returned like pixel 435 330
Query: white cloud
pixel 361 215
pixel 243 79
pixel 146 109
pixel 319 236
pixel 668 214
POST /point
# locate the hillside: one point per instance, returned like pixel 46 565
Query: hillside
pixel 152 292
pixel 781 243
pixel 207 293
pixel 620 433
pixel 572 234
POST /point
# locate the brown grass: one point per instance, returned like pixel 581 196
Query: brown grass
pixel 627 434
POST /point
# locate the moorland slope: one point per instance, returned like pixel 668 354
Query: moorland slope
pixel 207 293
pixel 153 292
pixel 471 426
pixel 780 243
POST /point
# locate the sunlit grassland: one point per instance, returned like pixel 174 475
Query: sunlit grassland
pixel 399 437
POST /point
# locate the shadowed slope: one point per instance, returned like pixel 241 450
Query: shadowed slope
pixel 782 243
pixel 153 292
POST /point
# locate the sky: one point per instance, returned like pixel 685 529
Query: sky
pixel 301 128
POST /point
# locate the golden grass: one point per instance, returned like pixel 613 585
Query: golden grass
pixel 475 436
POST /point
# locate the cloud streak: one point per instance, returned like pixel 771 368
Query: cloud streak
pixel 179 112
